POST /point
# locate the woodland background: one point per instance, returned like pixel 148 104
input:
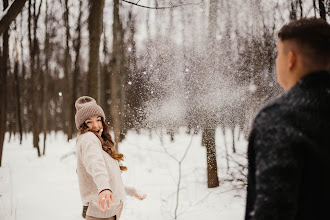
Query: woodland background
pixel 198 64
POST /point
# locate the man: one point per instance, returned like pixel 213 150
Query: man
pixel 289 145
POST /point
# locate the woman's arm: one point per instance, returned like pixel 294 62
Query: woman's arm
pixel 131 191
pixel 93 161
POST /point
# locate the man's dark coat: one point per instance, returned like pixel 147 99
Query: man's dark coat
pixel 289 154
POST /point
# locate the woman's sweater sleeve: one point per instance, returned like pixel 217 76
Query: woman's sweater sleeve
pixel 93 160
pixel 130 190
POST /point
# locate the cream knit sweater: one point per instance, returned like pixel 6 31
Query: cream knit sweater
pixel 97 170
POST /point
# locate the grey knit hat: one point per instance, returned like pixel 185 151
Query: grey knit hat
pixel 86 107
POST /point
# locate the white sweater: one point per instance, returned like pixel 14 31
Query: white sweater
pixel 97 170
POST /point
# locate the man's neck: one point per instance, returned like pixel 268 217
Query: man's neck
pixel 297 75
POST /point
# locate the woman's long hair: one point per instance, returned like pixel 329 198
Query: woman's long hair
pixel 106 141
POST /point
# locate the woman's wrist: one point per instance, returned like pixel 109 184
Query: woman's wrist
pixel 104 190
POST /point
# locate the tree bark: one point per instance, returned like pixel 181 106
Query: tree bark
pixel 3 85
pixel 210 122
pixel 115 72
pixel 67 74
pixel 34 50
pixel 45 82
pixel 322 9
pixel 95 23
pixel 293 12
pixel 76 72
pixel 212 167
pixel 18 96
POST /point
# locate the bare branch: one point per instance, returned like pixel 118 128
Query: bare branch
pixel 13 11
pixel 164 7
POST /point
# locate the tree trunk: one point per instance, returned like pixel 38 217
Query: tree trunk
pixel 34 50
pixel 210 121
pixel 226 147
pixel 67 75
pixel 212 169
pixel 314 6
pixel 76 72
pixel 18 97
pixel 23 73
pixel 233 138
pixel 45 82
pixel 123 119
pixel 293 12
pixel 3 85
pixel 115 72
pixel 301 8
pixel 95 23
pixel 105 96
pixel 322 9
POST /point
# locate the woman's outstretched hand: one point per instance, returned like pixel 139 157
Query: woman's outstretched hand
pixel 105 197
pixel 139 196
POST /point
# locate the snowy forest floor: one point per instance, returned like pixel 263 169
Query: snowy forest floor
pixel 47 187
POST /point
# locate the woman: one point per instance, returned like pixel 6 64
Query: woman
pixel 98 167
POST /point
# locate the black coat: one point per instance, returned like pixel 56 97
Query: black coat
pixel 289 154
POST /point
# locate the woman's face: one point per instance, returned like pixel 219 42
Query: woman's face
pixel 95 124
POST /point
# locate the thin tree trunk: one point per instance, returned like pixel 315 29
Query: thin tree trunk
pixel 314 6
pixel 115 72
pixel 106 77
pixel 95 23
pixel 233 138
pixel 23 83
pixel 226 147
pixel 3 85
pixel 322 9
pixel 301 8
pixel 45 82
pixel 212 167
pixel 76 72
pixel 123 85
pixel 210 122
pixel 34 50
pixel 293 12
pixel 67 74
pixel 18 97
pixel 123 119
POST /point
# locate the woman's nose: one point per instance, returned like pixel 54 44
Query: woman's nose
pixel 95 125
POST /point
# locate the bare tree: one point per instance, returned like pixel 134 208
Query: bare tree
pixel 95 23
pixel 17 91
pixel 3 84
pixel 45 77
pixel 179 162
pixel 116 62
pixel 67 75
pixel 322 9
pixel 210 122
pixel 76 73
pixel 34 68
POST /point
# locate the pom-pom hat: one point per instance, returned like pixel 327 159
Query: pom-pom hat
pixel 86 107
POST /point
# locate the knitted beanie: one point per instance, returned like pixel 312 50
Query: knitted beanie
pixel 86 107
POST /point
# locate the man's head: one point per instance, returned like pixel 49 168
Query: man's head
pixel 303 47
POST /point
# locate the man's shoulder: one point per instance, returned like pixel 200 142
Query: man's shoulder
pixel 275 111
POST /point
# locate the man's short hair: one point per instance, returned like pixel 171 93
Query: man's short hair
pixel 312 36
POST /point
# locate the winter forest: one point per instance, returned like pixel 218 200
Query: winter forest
pixel 174 73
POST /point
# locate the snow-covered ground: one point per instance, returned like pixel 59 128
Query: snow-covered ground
pixel 47 187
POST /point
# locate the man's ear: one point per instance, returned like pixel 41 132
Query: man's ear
pixel 292 59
